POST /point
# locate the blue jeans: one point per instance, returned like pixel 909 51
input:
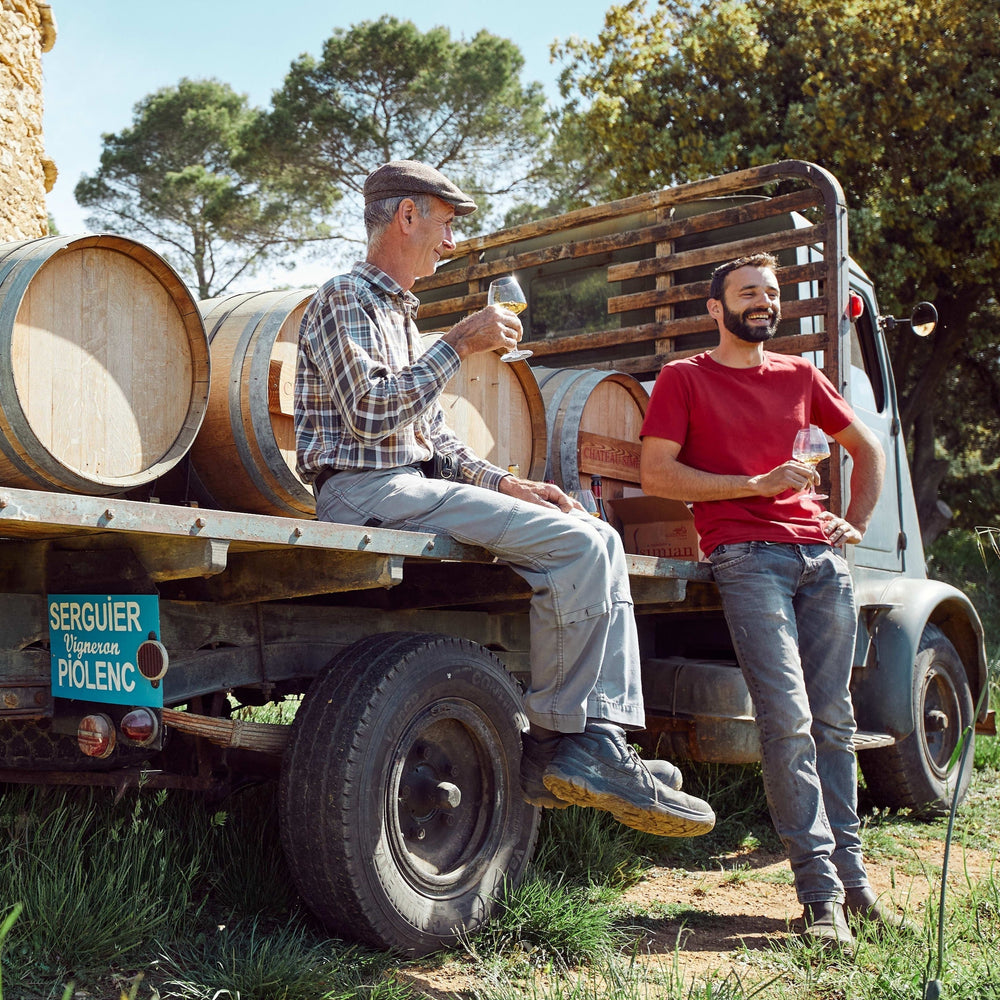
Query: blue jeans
pixel 584 644
pixel 791 615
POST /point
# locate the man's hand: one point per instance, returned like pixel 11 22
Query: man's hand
pixel 839 530
pixel 490 329
pixel 790 475
pixel 544 494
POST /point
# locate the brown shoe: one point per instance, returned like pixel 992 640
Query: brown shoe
pixel 826 925
pixel 863 906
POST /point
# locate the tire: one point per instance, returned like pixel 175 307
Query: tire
pixel 401 815
pixel 914 772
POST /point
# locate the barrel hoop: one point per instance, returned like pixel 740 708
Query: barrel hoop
pixel 551 412
pixel 572 412
pixel 274 461
pixel 562 465
pixel 235 400
pixel 270 474
pixel 231 305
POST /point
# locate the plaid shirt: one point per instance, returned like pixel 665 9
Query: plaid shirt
pixel 366 389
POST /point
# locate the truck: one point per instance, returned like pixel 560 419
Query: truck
pixel 139 631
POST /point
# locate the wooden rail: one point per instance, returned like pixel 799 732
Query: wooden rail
pixel 622 285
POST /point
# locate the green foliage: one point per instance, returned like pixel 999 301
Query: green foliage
pixel 247 873
pixel 550 921
pixel 956 558
pixel 898 100
pixel 182 179
pixel 557 936
pixel 263 962
pixel 97 879
pixel 383 90
pixel 591 848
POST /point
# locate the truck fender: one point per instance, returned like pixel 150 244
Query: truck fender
pixel 891 624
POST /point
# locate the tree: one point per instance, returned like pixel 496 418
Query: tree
pixel 181 178
pixel 382 90
pixel 899 100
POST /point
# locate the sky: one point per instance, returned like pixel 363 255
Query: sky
pixel 109 54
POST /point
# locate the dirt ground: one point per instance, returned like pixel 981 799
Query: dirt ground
pixel 729 917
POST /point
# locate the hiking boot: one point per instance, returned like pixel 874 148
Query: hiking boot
pixel 666 772
pixel 863 905
pixel 536 756
pixel 599 769
pixel 826 925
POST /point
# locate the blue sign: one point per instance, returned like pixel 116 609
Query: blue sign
pixel 94 639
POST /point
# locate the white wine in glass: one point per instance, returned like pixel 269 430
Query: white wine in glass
pixel 506 292
pixel 811 447
pixel 587 500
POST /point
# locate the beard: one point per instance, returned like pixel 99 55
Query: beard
pixel 737 325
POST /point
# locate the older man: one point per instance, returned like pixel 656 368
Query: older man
pixel 368 419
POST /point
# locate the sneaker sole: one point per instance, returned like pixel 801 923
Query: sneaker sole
pixel 660 822
pixel 545 800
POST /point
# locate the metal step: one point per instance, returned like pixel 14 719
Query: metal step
pixel 869 741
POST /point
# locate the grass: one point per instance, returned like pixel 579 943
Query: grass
pixel 154 895
pixel 150 896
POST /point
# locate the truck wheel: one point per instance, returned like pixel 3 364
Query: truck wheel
pixel 914 772
pixel 401 814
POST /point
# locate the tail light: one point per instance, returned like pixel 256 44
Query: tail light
pixel 95 735
pixel 140 727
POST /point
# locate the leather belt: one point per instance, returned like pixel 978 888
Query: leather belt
pixel 322 478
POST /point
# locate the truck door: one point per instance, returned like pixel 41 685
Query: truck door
pixel 872 396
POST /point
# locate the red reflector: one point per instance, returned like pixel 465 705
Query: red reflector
pixel 856 306
pixel 152 660
pixel 140 726
pixel 95 736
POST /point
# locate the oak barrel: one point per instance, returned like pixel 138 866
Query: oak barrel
pixel 496 408
pixel 244 454
pixel 104 365
pixel 593 418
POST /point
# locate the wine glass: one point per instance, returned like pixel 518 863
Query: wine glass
pixel 506 292
pixel 586 500
pixel 811 447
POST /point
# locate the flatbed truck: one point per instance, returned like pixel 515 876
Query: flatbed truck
pixel 137 637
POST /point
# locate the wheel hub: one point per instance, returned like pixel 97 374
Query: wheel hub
pixel 445 796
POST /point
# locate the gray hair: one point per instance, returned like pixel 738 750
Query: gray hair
pixel 379 214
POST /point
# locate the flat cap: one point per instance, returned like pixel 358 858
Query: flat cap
pixel 404 178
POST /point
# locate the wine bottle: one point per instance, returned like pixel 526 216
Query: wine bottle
pixel 598 490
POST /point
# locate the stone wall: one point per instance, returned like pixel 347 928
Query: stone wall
pixel 27 29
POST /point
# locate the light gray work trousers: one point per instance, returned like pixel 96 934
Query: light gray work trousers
pixel 584 647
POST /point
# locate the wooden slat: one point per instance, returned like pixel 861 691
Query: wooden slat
pixel 712 187
pixel 718 253
pixel 799 344
pixel 698 290
pixel 609 456
pixel 671 229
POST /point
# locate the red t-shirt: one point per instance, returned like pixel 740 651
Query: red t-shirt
pixel 742 421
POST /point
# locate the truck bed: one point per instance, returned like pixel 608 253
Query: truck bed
pixel 243 558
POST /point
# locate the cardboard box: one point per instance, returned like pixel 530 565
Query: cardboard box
pixel 653 526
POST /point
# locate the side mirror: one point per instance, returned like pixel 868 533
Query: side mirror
pixel 923 320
